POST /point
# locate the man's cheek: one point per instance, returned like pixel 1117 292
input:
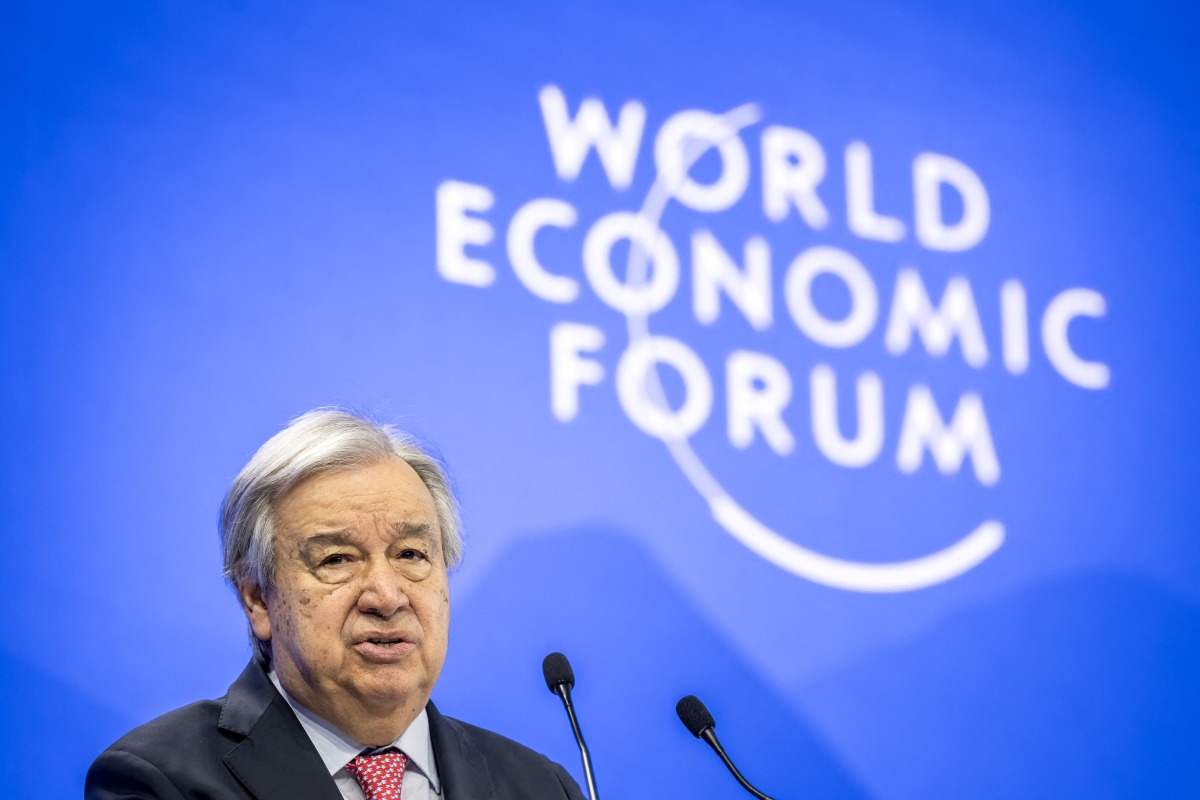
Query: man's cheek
pixel 327 612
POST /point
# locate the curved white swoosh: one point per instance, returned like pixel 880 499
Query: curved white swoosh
pixel 898 576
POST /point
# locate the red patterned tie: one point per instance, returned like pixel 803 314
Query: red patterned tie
pixel 379 775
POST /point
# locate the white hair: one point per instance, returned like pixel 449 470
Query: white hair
pixel 322 441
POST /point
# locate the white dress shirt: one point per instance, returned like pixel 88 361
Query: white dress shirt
pixel 337 750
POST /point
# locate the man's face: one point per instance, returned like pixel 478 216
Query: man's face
pixel 359 613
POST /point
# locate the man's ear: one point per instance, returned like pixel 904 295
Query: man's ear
pixel 255 606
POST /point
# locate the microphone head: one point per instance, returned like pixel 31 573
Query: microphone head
pixel 557 671
pixel 694 715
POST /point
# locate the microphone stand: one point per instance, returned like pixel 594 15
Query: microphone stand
pixel 564 691
pixel 709 735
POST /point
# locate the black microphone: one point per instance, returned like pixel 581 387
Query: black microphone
pixel 695 718
pixel 560 679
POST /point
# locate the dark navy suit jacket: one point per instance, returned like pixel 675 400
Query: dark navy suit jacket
pixel 250 745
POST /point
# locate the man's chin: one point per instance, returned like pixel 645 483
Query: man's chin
pixel 385 693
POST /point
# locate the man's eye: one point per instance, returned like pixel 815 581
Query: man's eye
pixel 335 560
pixel 411 555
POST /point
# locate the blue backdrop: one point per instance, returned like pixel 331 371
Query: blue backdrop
pixel 909 499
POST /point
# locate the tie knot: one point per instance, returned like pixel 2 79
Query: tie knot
pixel 379 775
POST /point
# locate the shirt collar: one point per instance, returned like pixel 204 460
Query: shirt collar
pixel 336 749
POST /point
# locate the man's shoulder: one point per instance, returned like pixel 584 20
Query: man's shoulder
pixel 169 732
pixel 499 766
pixel 163 757
pixel 491 742
pixel 184 752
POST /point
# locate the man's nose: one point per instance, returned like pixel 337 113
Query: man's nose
pixel 382 590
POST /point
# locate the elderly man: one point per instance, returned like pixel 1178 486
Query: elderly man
pixel 337 537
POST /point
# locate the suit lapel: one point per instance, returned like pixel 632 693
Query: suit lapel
pixel 461 767
pixel 276 760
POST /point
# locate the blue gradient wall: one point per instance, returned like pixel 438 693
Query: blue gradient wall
pixel 216 216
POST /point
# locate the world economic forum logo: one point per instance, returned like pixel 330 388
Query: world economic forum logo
pixel 758 386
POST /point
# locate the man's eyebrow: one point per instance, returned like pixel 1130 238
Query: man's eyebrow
pixel 414 530
pixel 335 538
